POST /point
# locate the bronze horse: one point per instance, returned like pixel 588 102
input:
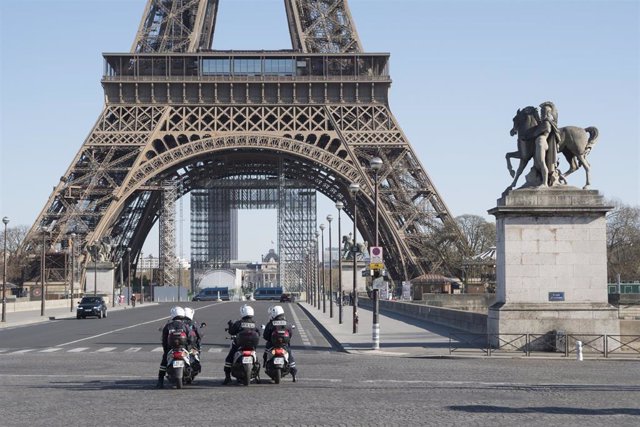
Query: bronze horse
pixel 575 144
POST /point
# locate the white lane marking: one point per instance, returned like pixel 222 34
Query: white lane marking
pixel 2 350
pixel 105 349
pixel 77 350
pixel 121 329
pixel 157 349
pixel 214 350
pixel 300 329
pixel 133 349
pixel 26 350
pixel 50 350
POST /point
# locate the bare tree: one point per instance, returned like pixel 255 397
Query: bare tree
pixel 623 243
pixel 15 236
pixel 480 234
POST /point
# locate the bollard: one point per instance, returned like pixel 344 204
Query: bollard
pixel 579 351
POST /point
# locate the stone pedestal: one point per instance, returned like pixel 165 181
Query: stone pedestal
pixel 347 277
pixel 551 264
pixel 100 274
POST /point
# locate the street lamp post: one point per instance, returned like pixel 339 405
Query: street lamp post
pixel 375 164
pixel 354 188
pixel 73 268
pixel 141 259
pixel 5 221
pixel 324 293
pixel 339 206
pixel 305 275
pixel 329 219
pixel 95 269
pixel 42 271
pixel 129 275
pixel 316 268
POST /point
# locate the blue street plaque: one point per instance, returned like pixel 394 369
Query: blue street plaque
pixel 556 296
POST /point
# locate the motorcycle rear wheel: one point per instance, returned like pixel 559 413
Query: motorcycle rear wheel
pixel 247 374
pixel 179 383
pixel 277 376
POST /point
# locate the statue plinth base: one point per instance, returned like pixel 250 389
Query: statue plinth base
pixel 551 260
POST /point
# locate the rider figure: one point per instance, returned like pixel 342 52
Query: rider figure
pixel 194 337
pixel 245 323
pixel 277 313
pixel 177 323
pixel 547 142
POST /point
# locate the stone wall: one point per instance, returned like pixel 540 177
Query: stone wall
pixel 464 320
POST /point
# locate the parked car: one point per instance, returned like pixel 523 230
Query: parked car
pixel 212 294
pixel 91 306
pixel 262 294
pixel 287 298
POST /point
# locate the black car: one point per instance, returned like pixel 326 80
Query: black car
pixel 91 306
pixel 287 298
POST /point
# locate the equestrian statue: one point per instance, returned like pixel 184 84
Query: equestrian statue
pixel 540 139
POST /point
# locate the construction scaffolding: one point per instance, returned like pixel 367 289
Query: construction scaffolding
pixel 214 223
pixel 168 264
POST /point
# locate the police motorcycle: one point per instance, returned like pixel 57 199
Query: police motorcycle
pixel 245 366
pixel 178 359
pixel 193 348
pixel 277 365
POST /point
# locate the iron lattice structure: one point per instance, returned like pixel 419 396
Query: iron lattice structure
pixel 214 221
pixel 178 111
pixel 168 265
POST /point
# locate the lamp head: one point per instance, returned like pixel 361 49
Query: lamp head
pixel 329 218
pixel 5 220
pixel 339 205
pixel 321 227
pixel 354 188
pixel 375 163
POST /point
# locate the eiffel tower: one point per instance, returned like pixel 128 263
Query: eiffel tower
pixel 178 111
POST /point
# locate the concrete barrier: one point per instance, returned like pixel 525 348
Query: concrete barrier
pixel 465 320
pixel 16 306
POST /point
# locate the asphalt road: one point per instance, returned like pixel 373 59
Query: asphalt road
pixel 102 372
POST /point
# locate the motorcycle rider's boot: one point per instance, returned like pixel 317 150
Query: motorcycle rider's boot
pixel 227 376
pixel 160 383
pixel 294 372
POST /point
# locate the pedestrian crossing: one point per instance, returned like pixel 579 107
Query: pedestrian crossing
pixel 98 350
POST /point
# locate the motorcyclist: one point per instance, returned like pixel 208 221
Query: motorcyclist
pixel 194 332
pixel 176 323
pixel 245 323
pixel 277 313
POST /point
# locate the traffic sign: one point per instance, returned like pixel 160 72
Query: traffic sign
pixel 378 283
pixel 376 266
pixel 375 255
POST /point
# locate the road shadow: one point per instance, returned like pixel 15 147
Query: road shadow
pixel 554 410
pixel 150 384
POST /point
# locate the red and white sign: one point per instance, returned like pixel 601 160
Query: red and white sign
pixel 375 255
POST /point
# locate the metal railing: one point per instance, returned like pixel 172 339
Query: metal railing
pixel 552 343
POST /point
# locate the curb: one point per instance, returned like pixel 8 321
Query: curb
pixel 324 331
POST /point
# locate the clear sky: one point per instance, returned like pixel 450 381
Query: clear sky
pixel 460 71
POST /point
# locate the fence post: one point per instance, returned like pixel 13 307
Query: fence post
pixel 566 345
pixel 489 345
pixel 579 351
pixel 528 345
pixel 606 346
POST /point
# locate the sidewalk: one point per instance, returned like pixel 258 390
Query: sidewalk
pixel 399 336
pixel 21 318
